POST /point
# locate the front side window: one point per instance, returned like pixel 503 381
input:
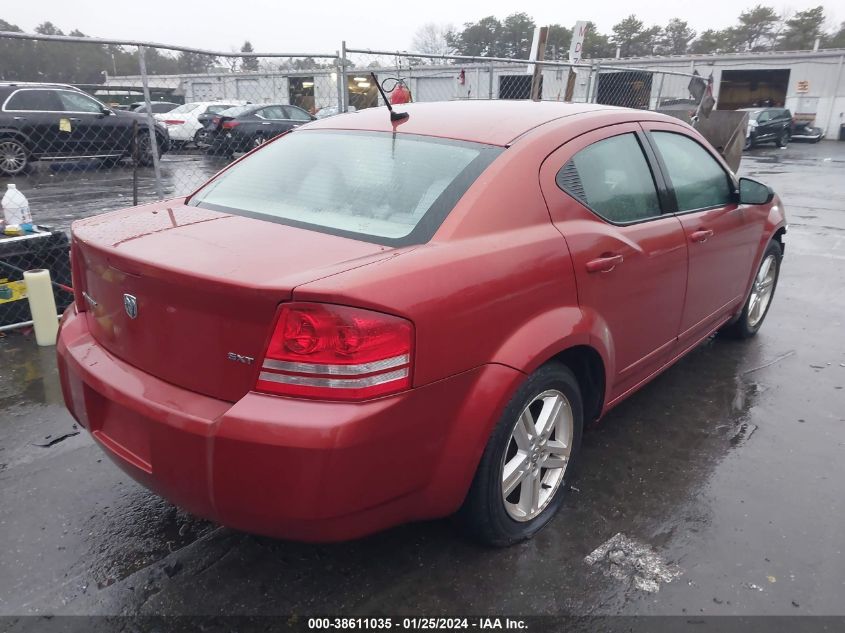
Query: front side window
pixel 77 102
pixel 35 101
pixel 697 178
pixel 392 190
pixel 612 178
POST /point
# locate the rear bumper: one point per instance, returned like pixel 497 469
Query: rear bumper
pixel 288 468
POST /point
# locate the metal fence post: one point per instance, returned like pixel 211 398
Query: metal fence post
pixel 343 81
pixel 595 85
pixel 490 86
pixel 659 90
pixel 338 74
pixel 150 122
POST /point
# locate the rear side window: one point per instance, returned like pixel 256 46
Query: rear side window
pixel 612 178
pixel 295 114
pixel 697 178
pixel 383 188
pixel 35 100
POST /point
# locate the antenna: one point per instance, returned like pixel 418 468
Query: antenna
pixel 394 116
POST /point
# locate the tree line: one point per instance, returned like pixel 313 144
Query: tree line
pixel 759 28
pixel 84 63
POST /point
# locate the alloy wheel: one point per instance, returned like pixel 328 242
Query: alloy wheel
pixel 761 291
pixel 537 455
pixel 12 157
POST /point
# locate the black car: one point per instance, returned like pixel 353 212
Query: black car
pixel 201 137
pixel 59 122
pixel 768 125
pixel 241 128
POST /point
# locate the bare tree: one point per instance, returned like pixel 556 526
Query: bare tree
pixel 434 39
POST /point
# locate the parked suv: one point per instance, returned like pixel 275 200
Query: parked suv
pixel 768 125
pixel 58 122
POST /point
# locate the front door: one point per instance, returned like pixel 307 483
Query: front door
pixel 721 235
pixel 630 258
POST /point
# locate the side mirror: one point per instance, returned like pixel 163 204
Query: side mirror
pixel 105 111
pixel 753 192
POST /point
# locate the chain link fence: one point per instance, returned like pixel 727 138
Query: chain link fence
pixel 92 125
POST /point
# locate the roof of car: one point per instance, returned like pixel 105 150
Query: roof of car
pixel 496 122
pixel 34 84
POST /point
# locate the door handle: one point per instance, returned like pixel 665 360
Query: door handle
pixel 74 119
pixel 604 264
pixel 19 118
pixel 701 236
pixel 266 123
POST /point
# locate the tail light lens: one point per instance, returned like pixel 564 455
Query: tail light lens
pixel 332 352
pixel 173 122
pixel 228 125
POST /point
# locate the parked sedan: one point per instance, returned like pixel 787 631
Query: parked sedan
pixel 186 123
pixel 365 323
pixel 242 128
pixel 768 125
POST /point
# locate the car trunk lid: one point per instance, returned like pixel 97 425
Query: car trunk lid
pixel 189 295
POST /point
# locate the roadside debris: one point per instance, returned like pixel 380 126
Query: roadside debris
pixel 51 441
pixel 625 559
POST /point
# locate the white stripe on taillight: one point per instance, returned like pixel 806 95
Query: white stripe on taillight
pixel 338 370
pixel 335 383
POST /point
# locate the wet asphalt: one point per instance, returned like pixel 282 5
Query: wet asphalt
pixel 728 470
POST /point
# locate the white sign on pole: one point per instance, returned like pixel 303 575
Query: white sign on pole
pixel 535 47
pixel 576 48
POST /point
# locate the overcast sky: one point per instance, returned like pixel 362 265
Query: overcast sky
pixel 320 25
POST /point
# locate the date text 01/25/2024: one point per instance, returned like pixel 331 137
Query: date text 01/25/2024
pixel 411 623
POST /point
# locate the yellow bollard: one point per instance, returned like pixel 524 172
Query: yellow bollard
pixel 42 305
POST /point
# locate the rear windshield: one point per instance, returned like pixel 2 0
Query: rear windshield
pixel 378 187
pixel 236 110
pixel 188 107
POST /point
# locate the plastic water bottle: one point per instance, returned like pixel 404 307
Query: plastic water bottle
pixel 15 207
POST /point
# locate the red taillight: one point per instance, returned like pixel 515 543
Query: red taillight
pixel 228 125
pixel 173 122
pixel 336 352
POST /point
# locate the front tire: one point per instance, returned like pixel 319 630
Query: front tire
pixel 760 298
pixel 783 139
pixel 529 460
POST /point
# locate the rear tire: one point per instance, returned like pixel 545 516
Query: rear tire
pixel 529 460
pixel 14 157
pixel 760 298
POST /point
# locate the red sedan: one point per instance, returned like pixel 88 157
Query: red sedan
pixel 366 322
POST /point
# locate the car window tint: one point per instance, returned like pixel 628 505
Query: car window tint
pixel 217 108
pixel 236 111
pixel 295 114
pixel 375 186
pixel 37 100
pixel 613 179
pixel 698 179
pixel 77 102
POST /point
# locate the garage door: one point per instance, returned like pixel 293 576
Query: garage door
pixel 435 89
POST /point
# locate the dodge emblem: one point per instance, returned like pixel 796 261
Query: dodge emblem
pixel 131 305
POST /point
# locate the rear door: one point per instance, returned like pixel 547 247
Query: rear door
pixel 722 235
pixel 630 258
pixel 37 113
